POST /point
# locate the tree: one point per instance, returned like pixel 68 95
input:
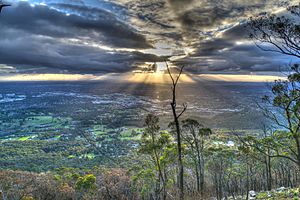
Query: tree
pixel 176 116
pixel 278 33
pixel 222 158
pixel 281 34
pixel 260 149
pixel 157 145
pixel 195 135
pixel 283 108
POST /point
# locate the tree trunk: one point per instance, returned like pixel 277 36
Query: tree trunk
pixel 247 183
pixel 176 121
pixel 270 174
pixel 180 164
pixel 197 177
pixel 201 171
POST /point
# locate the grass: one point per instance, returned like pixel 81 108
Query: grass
pixel 89 156
pixel 24 138
pixel 135 138
pixel 100 130
pixel 54 122
pixel 25 129
pixel 71 156
pixel 40 120
pixel 230 131
pixel 58 136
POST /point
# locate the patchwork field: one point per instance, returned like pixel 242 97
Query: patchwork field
pixel 48 125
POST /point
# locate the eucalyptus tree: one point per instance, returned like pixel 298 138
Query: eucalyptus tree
pixel 281 34
pixel 282 107
pixel 221 160
pixel 159 147
pixel 195 136
pixel 254 147
pixel 278 33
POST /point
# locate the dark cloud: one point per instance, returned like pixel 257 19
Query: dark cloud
pixel 71 57
pixel 213 29
pixel 100 26
pixel 44 37
pixel 179 5
pixel 102 36
pixel 233 51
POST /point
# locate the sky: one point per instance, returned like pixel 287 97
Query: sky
pixel 115 36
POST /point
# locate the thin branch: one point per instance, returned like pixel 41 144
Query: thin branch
pixel 183 110
pixel 169 72
pixel 180 72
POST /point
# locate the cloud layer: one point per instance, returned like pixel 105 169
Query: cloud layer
pixel 98 36
pixel 40 36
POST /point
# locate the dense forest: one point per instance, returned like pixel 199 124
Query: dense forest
pixel 186 160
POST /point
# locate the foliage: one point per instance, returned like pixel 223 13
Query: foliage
pixel 86 182
pixel 282 33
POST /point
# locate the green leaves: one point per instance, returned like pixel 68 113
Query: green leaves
pixel 159 151
pixel 86 182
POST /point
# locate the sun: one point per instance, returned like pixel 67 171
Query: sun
pixel 151 67
pixel 155 73
pixel 161 67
